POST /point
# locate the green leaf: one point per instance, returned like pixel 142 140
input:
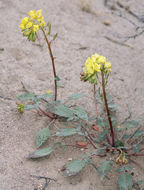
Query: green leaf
pixel 26 96
pixel 60 109
pixel 74 167
pixel 92 118
pixel 101 137
pixel 138 133
pixel 45 96
pixel 28 107
pixel 101 122
pixel 76 96
pixel 104 168
pixel 57 78
pixel 65 132
pixel 42 136
pixel 125 181
pixel 125 168
pixel 80 113
pixel 131 124
pixel 55 36
pixel 41 153
pixel 49 27
pixel 112 106
pixel 136 148
pixel 126 136
pixel 140 182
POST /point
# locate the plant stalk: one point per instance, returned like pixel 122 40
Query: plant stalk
pixel 107 110
pixel 53 64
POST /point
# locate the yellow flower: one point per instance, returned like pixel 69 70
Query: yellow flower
pixel 97 67
pixel 89 66
pixel 95 57
pixel 22 26
pixel 32 14
pixel 39 13
pixel 48 92
pixel 35 28
pixel 42 23
pixel 29 25
pixel 25 20
pixel 101 59
pixel 107 65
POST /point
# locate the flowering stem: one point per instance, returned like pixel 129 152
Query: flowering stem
pixel 107 109
pixel 53 64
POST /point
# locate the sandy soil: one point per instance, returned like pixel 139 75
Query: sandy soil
pixel 81 32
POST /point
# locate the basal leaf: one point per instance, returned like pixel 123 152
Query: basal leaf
pixel 104 168
pixel 74 167
pixel 136 148
pixel 101 137
pixel 124 168
pixel 76 96
pixel 80 113
pixel 140 182
pixel 138 133
pixel 41 153
pixel 26 96
pixel 28 107
pixel 131 124
pixel 42 136
pixel 125 181
pixel 66 132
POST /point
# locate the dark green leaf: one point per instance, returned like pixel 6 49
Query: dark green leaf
pixel 41 153
pixel 136 148
pixel 104 168
pixel 66 132
pixel 80 113
pixel 76 96
pixel 74 167
pixel 131 124
pixel 26 96
pixel 125 181
pixel 42 136
pixel 125 168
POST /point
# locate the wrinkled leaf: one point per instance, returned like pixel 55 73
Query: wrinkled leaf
pixel 41 153
pixel 131 124
pixel 80 113
pixel 125 181
pixel 104 168
pixel 26 96
pixel 125 168
pixel 42 136
pixel 136 148
pixel 74 167
pixel 76 96
pixel 66 132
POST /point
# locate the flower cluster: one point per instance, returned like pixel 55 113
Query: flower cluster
pixel 93 65
pixel 31 24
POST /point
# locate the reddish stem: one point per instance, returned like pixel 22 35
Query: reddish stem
pixel 44 113
pixel 107 109
pixel 53 64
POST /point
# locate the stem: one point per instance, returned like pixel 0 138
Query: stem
pixel 53 64
pixel 107 109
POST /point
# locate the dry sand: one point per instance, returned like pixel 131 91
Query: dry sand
pixel 81 32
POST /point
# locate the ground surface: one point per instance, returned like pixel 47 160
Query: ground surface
pixel 82 32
